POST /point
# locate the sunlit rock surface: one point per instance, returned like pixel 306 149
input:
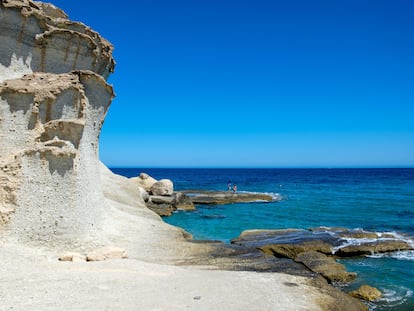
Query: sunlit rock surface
pixel 37 36
pixel 53 101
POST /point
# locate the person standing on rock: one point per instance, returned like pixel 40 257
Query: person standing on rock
pixel 234 188
pixel 229 186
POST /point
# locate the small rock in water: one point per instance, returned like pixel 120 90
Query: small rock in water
pixel 366 292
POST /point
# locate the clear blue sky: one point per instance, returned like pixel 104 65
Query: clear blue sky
pixel 255 83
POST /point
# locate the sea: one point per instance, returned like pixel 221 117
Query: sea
pixel 372 199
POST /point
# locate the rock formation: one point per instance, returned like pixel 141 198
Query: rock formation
pixel 366 292
pixel 53 101
pixel 54 192
pixel 145 181
pixel 316 247
pixel 226 197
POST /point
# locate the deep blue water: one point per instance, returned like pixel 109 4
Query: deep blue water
pixel 380 200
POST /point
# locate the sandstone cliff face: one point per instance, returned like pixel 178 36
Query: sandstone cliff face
pixel 53 101
pixel 36 37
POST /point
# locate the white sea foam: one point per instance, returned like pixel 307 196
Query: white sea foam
pixel 395 297
pixel 275 196
pixel 382 236
pixel 400 255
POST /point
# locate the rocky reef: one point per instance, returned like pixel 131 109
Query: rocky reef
pixel 53 101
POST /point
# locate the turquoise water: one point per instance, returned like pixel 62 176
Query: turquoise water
pixel 380 200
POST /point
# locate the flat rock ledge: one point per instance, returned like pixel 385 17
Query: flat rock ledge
pixel 318 248
pixel 165 205
pixel 226 197
pixel 160 197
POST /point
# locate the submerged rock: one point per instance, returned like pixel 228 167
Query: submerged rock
pixel 369 248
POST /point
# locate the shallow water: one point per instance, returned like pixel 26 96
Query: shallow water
pixel 380 200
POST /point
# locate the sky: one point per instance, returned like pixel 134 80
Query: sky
pixel 257 83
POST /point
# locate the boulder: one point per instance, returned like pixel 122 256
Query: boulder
pixel 162 187
pixel 72 256
pixel 366 292
pixel 331 270
pixel 108 252
pixel 145 181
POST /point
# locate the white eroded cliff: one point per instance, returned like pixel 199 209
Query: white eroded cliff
pixel 37 36
pixel 53 101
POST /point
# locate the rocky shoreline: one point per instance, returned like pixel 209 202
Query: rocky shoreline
pixel 160 197
pixel 87 237
pixel 310 253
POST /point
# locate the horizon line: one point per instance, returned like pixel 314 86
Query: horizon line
pixel 262 167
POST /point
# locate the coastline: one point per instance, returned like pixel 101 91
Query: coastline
pixel 76 236
pixel 157 274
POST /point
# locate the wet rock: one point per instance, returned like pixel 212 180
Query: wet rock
pixel 380 246
pixel 342 242
pixel 331 270
pixel 366 292
pixel 358 235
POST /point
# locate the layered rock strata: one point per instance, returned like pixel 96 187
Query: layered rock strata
pixel 317 248
pixel 38 37
pixel 53 101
